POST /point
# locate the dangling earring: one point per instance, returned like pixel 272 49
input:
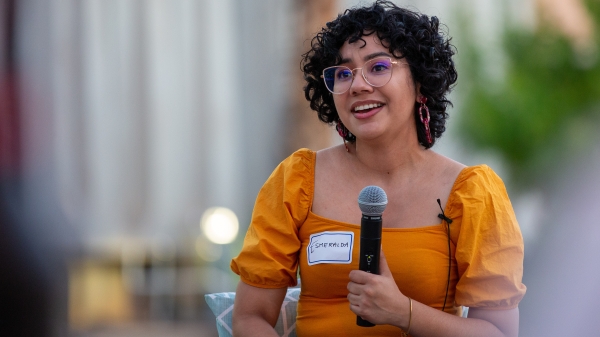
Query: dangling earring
pixel 343 132
pixel 425 120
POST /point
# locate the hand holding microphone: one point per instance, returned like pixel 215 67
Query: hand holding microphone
pixel 385 299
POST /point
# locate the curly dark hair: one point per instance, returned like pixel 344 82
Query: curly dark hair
pixel 407 34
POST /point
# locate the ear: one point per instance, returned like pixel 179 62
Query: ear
pixel 418 93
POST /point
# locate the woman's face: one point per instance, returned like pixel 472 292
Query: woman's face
pixel 377 113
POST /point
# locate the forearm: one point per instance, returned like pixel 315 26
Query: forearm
pixel 250 326
pixel 430 322
pixel 256 310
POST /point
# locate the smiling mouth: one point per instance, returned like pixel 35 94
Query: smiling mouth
pixel 366 107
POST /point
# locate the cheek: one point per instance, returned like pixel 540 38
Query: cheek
pixel 405 84
pixel 406 91
pixel 408 85
pixel 339 102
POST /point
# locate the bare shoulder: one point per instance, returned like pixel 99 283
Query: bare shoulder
pixel 330 163
pixel 444 173
pixel 450 168
pixel 331 155
pixel 334 182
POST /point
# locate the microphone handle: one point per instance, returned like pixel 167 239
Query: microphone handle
pixel 370 247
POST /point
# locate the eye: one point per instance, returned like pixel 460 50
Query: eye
pixel 380 66
pixel 343 74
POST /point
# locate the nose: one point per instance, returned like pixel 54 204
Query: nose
pixel 359 84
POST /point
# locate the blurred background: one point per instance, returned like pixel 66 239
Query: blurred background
pixel 135 135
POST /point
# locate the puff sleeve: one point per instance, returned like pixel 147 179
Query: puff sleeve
pixel 489 245
pixel 269 256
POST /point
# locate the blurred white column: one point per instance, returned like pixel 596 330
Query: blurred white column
pixel 114 117
pixel 104 126
pixel 69 137
pixel 172 123
pixel 194 136
pixel 222 78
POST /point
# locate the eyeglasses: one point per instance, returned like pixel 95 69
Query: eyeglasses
pixel 376 72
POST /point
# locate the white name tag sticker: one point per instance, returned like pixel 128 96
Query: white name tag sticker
pixel 330 247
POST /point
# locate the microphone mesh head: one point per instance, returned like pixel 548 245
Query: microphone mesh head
pixel 372 200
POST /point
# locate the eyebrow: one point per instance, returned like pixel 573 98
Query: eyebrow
pixel 368 57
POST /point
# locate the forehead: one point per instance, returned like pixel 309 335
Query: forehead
pixel 358 49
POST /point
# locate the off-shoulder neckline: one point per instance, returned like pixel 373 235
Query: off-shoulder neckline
pixel 462 175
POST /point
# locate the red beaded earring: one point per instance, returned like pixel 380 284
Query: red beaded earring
pixel 425 120
pixel 343 132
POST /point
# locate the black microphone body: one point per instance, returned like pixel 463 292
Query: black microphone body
pixel 372 201
pixel 370 243
pixel 370 246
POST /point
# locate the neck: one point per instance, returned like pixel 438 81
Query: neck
pixel 388 159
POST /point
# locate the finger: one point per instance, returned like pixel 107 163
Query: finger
pixel 384 269
pixel 354 308
pixel 353 299
pixel 353 288
pixel 354 303
pixel 359 276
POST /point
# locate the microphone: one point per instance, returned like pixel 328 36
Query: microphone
pixel 371 201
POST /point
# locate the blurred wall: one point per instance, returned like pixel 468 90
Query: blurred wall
pixel 149 112
pixel 134 118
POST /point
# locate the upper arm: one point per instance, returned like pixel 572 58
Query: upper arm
pixel 507 321
pixel 257 303
pixel 489 245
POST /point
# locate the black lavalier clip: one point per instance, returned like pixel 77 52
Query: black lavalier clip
pixel 442 215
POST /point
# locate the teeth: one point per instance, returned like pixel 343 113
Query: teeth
pixel 367 106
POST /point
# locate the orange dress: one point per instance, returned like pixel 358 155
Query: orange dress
pixel 486 250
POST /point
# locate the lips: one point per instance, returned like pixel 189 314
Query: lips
pixel 366 107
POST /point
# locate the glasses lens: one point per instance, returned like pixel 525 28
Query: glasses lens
pixel 337 79
pixel 378 71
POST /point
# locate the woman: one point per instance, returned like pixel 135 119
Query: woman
pixel 381 74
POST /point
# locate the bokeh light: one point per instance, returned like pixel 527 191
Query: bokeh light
pixel 220 225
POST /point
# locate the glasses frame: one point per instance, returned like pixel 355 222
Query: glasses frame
pixel 362 74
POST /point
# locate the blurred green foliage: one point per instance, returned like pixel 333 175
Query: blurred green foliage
pixel 544 108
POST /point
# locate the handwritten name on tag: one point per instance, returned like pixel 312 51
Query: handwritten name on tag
pixel 330 247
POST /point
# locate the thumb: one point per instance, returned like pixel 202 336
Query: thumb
pixel 384 270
